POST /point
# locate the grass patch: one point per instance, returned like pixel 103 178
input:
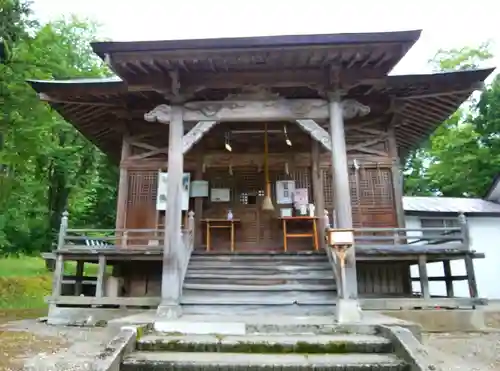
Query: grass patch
pixel 25 281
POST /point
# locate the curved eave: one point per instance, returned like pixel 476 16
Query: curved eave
pixel 103 85
pixel 425 101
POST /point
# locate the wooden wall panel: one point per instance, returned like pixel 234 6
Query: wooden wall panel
pixel 141 203
pixel 380 279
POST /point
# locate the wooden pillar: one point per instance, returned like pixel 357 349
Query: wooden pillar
pixel 448 279
pixel 341 189
pixel 121 202
pixel 424 278
pixel 397 181
pixel 318 194
pixel 171 275
pixel 198 203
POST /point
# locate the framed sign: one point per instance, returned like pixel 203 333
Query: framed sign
pixel 284 191
pixel 161 198
pixel 220 195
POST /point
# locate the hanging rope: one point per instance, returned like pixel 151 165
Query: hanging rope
pixel 267 203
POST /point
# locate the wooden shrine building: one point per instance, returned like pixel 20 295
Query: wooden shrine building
pixel 241 146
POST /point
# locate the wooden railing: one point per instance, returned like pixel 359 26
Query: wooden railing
pixel 131 239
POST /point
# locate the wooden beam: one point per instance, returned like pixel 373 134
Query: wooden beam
pixel 151 153
pixel 197 81
pixel 195 134
pixel 316 132
pixel 241 110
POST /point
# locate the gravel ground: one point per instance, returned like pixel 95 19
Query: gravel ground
pixel 52 348
pixel 49 348
pixel 467 351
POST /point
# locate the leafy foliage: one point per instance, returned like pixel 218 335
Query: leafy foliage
pixel 47 166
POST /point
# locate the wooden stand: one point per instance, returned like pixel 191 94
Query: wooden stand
pixel 313 234
pixel 220 224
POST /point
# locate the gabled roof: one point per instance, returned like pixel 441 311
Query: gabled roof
pixel 381 50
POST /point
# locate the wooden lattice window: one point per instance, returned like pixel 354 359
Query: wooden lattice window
pixel 142 186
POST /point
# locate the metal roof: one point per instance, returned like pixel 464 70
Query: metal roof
pixel 449 205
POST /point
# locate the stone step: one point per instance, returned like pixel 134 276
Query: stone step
pixel 259 298
pixel 156 361
pixel 259 287
pixel 264 344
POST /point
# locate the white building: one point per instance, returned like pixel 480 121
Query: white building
pixel 483 218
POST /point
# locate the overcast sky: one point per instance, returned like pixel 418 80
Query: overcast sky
pixel 445 23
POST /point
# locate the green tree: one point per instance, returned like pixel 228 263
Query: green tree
pixel 461 157
pixel 48 165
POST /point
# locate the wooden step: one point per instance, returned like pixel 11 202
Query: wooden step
pixel 260 265
pixel 261 276
pixel 257 287
pixel 262 258
pixel 259 281
pixel 259 310
pixel 260 297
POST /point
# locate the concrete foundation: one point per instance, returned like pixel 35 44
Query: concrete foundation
pixel 348 311
pixel 443 320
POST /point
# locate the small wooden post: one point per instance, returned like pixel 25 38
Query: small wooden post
pixel 448 279
pixel 465 231
pixel 58 276
pixel 59 266
pixel 424 278
pixel 62 230
pixel 101 277
pixel 79 277
pixel 471 276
